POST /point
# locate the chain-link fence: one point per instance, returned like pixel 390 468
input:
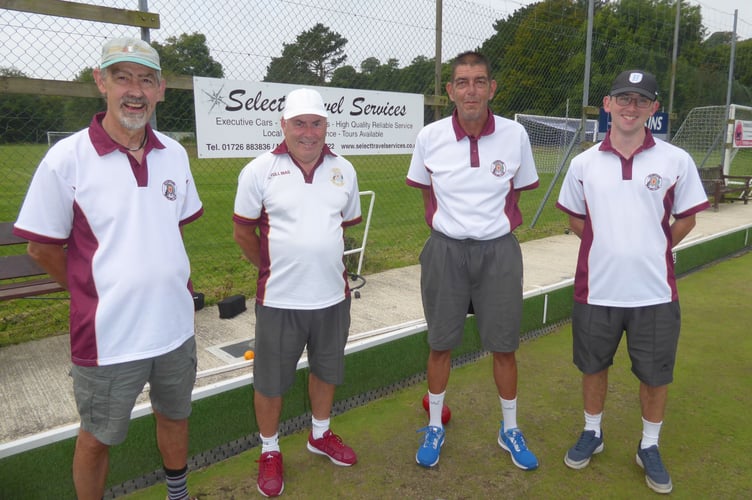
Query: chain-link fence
pixel 538 52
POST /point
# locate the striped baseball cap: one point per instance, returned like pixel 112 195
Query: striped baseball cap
pixel 129 50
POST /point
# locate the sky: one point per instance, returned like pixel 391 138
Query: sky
pixel 715 13
pixel 80 50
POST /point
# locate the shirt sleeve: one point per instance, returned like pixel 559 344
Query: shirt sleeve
pixel 690 194
pixel 47 210
pixel 527 175
pixel 417 174
pixel 352 213
pixel 192 208
pixel 572 195
pixel 248 199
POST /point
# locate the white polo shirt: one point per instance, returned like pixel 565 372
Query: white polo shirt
pixel 128 272
pixel 472 180
pixel 300 220
pixel 625 257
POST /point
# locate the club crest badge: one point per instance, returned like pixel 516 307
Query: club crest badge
pixel 498 168
pixel 337 178
pixel 168 190
pixel 653 182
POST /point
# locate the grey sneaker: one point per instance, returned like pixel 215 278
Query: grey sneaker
pixel 578 456
pixel 656 474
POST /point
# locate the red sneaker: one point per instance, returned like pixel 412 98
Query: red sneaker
pixel 270 482
pixel 331 446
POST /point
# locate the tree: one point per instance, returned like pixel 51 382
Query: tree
pixel 639 34
pixel 538 53
pixel 347 77
pixel 506 31
pixel 186 55
pixel 311 60
pixel 78 111
pixel 27 118
pixel 524 75
pixel 418 77
pixel 369 65
pixel 291 67
pixel 385 76
pixel 742 92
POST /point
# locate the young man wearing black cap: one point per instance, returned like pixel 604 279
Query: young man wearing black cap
pixel 104 217
pixel 621 196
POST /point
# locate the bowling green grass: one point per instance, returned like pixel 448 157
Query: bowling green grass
pixel 218 270
pixel 706 441
pixel 395 237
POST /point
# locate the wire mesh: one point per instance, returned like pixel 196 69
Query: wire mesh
pixel 537 52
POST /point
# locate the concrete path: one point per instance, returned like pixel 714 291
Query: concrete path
pixel 36 388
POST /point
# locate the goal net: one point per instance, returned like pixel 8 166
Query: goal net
pixel 53 137
pixel 552 137
pixel 702 136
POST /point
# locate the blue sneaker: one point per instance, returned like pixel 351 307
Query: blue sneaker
pixel 513 441
pixel 656 474
pixel 578 456
pixel 428 453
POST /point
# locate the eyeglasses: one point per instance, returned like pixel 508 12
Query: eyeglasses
pixel 626 100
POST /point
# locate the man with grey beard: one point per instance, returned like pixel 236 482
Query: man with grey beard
pixel 104 216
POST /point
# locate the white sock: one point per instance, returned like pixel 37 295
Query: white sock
pixel 319 427
pixel 593 423
pixel 509 412
pixel 651 431
pixel 435 406
pixel 270 443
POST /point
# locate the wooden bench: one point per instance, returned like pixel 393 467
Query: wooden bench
pixel 20 276
pixel 716 185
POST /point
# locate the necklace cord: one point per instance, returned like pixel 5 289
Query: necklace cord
pixel 143 143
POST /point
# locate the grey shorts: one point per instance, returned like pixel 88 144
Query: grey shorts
pixel 652 338
pixel 488 274
pixel 281 336
pixel 105 395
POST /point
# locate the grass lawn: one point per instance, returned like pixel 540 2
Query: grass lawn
pixel 396 236
pixel 706 441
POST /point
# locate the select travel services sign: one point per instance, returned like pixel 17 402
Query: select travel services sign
pixel 240 119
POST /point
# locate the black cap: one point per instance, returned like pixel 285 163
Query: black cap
pixel 635 80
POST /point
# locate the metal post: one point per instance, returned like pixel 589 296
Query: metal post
pixel 728 132
pixel 437 62
pixel 586 77
pixel 673 69
pixel 143 6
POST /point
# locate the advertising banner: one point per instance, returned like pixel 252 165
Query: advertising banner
pixel 657 123
pixel 742 134
pixel 240 119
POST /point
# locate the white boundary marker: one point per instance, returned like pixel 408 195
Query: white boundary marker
pixel 362 248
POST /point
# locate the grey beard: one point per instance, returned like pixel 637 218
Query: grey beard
pixel 134 123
